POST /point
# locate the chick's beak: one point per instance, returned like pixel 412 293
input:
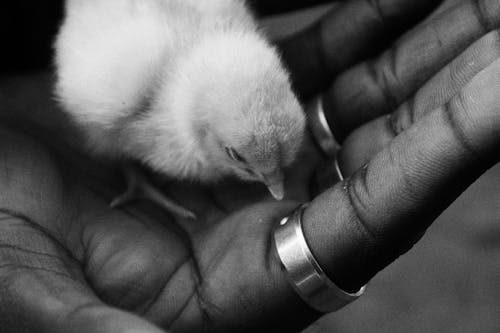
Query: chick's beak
pixel 275 185
pixel 277 190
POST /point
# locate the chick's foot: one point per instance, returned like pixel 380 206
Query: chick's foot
pixel 139 187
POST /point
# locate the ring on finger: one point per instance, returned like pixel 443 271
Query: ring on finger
pixel 323 134
pixel 320 129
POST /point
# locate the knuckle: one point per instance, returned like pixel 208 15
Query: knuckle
pixel 359 199
pixel 408 185
pixel 458 119
pixel 493 41
pixel 383 75
pixel 402 119
pixel 480 12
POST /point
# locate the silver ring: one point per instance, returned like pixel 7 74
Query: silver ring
pixel 337 169
pixel 323 134
pixel 304 272
pixel 320 129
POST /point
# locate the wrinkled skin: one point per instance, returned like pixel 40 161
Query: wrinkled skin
pixel 419 124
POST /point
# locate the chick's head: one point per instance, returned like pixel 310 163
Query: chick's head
pixel 249 121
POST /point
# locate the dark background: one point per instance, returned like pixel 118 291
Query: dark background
pixel 26 32
pixel 27 29
pixel 450 282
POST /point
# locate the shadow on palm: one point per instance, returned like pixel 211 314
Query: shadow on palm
pixel 174 272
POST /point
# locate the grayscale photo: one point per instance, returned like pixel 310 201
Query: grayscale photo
pixel 309 166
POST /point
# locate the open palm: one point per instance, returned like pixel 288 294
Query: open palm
pixel 68 262
pixel 217 272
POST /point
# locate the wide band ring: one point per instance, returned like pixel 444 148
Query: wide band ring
pixel 304 272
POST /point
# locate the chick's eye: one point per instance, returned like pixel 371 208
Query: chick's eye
pixel 234 155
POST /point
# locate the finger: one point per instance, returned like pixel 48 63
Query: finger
pixel 377 87
pixel 360 226
pixel 349 33
pixel 42 288
pixel 366 141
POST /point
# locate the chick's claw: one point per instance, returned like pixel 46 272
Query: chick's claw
pixel 277 191
pixel 139 187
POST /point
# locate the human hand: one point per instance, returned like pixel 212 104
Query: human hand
pixel 404 119
pixel 70 263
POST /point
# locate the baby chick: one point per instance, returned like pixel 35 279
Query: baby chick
pixel 190 88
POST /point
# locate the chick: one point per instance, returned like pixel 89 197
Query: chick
pixel 190 88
